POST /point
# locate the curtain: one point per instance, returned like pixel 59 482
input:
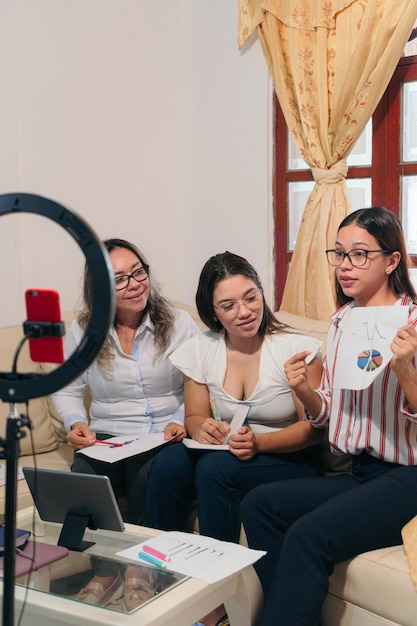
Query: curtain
pixel 330 62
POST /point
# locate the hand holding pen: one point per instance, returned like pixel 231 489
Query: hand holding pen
pixel 213 431
pixel 80 436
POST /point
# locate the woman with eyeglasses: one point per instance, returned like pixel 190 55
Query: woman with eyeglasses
pixel 240 361
pixel 135 389
pixel 308 525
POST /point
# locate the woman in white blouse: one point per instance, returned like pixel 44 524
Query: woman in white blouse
pixel 239 361
pixel 135 389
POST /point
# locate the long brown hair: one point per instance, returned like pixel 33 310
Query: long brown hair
pixel 160 311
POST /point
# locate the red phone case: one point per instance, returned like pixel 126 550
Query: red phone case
pixel 42 305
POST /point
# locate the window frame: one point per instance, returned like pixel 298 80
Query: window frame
pixel 386 169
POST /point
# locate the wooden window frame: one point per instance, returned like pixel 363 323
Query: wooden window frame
pixel 385 171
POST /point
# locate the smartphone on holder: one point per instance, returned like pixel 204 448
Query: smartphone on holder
pixel 42 307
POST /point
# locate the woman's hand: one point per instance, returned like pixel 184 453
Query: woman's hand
pixel 174 430
pixel 80 436
pixel 243 444
pixel 404 347
pixel 296 370
pixel 211 431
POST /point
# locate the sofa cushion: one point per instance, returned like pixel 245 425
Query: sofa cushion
pixel 43 433
pixel 314 328
pixel 378 583
pixel 59 459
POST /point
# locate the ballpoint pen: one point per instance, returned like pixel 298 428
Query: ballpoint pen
pixel 215 412
pixel 109 443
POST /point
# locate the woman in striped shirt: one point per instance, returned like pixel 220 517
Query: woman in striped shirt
pixel 309 525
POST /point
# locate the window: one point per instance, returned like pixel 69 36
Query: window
pixel 382 168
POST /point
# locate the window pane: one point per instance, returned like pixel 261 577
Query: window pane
pixel 295 162
pixel 361 153
pixel 360 196
pixel 408 122
pixel 360 192
pixel 413 276
pixel 298 194
pixel 362 150
pixel 409 213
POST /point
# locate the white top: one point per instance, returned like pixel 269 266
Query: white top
pixel 378 419
pixel 203 358
pixel 142 395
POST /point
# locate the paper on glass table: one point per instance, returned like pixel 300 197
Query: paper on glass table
pixel 130 446
pixel 364 350
pixel 238 419
pixel 198 556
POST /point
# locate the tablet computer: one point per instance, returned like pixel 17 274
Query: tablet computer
pixel 76 500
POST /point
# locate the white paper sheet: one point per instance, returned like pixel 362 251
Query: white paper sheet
pixel 19 475
pixel 198 556
pixel 130 447
pixel 364 349
pixel 237 421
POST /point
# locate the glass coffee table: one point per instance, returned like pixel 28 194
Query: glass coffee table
pixel 50 593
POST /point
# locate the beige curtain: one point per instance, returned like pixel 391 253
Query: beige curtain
pixel 330 61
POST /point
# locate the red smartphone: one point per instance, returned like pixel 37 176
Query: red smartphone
pixel 42 305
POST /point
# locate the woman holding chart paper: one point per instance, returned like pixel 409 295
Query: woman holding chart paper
pixel 309 525
pixel 135 389
pixel 237 367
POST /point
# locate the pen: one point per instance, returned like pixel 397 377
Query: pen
pixel 215 411
pixel 109 443
pixel 151 559
pixel 156 553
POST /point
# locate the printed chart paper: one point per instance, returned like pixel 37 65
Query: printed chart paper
pixel 364 349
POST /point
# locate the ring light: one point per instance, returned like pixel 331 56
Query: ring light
pixel 21 387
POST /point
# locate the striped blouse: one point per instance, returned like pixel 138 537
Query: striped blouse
pixel 378 419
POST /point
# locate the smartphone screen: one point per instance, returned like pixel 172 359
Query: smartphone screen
pixel 42 305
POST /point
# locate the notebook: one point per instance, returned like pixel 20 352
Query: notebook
pixel 35 555
pixel 22 537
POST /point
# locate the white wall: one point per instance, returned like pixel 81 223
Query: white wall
pixel 145 119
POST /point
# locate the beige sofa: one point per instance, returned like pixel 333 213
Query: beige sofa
pixel 373 589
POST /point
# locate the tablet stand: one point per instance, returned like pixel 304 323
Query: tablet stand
pixel 72 532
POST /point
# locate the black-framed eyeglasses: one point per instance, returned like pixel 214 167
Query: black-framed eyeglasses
pixel 357 257
pixel 140 275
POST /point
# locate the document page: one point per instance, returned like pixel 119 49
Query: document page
pixel 194 555
pixel 117 448
pixel 239 417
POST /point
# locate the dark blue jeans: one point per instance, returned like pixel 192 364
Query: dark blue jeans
pixel 128 478
pixel 218 481
pixel 309 525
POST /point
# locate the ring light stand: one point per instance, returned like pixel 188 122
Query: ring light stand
pixel 20 387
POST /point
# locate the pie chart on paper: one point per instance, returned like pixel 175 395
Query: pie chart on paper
pixel 369 360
